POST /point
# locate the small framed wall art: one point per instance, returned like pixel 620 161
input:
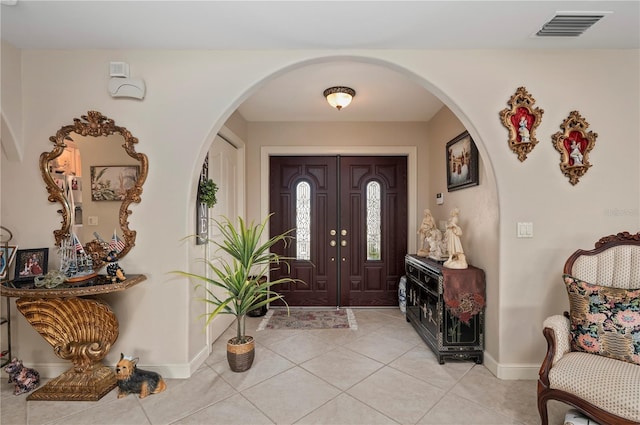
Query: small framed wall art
pixel 522 120
pixel 111 182
pixel 31 263
pixel 574 144
pixel 462 163
pixel 7 254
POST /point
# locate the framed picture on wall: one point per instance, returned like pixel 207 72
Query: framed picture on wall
pixel 111 182
pixel 462 162
pixel 7 254
pixel 31 263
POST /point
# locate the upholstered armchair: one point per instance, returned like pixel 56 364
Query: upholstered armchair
pixel 593 357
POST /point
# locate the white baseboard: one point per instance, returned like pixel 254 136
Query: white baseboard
pixel 511 371
pixel 506 371
pixel 169 371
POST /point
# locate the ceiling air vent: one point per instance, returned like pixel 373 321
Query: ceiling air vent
pixel 568 24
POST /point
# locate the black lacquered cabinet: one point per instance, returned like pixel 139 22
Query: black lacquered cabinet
pixel 453 329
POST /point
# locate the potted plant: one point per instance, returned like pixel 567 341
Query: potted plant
pixel 240 276
pixel 207 192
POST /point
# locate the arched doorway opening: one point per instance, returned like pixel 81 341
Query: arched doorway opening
pixel 422 142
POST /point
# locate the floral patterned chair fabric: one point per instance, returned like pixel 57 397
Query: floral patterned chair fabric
pixel 593 360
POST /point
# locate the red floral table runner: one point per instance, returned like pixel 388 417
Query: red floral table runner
pixel 464 291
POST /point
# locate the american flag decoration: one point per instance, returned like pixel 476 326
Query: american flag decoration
pixel 116 243
pixel 77 245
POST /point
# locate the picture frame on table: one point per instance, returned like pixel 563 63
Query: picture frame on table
pixel 111 182
pixel 7 255
pixel 31 263
pixel 462 162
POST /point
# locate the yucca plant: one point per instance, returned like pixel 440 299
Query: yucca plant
pixel 239 276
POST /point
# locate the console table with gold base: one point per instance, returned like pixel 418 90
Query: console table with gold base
pixel 81 330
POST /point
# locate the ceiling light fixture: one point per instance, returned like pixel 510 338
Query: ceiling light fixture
pixel 339 97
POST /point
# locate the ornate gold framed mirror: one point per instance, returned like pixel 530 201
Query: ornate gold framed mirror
pixel 95 173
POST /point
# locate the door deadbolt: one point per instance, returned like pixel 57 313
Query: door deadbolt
pixel 332 232
pixel 343 232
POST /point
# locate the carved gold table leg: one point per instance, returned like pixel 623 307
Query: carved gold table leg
pixel 79 330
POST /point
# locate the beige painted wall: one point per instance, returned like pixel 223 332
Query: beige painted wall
pixel 11 101
pixel 479 217
pixel 192 93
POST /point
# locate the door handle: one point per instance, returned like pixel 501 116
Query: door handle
pixel 332 243
pixel 343 242
pixel 332 232
pixel 343 232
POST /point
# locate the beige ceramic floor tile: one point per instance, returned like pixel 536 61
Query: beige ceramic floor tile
pixel 341 367
pixel 235 410
pixel 421 363
pixel 13 409
pixel 186 397
pixel 512 398
pixel 126 411
pixel 404 332
pixel 454 410
pixel 273 337
pixel 336 337
pixel 265 365
pixel 301 347
pixel 41 412
pixel 346 410
pixel 291 395
pixel 274 390
pixel 382 348
pixel 395 394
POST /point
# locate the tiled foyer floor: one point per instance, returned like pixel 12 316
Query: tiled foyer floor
pixel 383 373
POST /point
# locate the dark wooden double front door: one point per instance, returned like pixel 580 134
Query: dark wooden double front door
pixel 350 199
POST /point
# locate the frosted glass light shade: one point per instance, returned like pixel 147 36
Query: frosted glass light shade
pixel 339 97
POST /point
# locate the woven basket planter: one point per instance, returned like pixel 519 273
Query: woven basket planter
pixel 240 356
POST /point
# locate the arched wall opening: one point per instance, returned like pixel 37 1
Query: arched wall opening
pixel 426 172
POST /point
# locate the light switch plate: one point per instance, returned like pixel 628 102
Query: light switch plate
pixel 524 230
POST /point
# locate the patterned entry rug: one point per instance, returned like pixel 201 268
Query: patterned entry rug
pixel 309 319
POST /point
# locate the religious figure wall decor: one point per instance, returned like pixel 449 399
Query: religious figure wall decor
pixel 574 143
pixel 462 163
pixel 522 120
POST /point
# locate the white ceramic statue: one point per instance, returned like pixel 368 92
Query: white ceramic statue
pixel 457 259
pixel 437 250
pixel 427 225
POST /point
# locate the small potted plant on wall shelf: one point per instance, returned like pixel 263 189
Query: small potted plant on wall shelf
pixel 240 278
pixel 207 192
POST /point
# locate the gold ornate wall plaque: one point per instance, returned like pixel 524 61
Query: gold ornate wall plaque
pixel 574 144
pixel 522 119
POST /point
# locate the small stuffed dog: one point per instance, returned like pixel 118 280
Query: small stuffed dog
pixel 134 380
pixel 24 378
